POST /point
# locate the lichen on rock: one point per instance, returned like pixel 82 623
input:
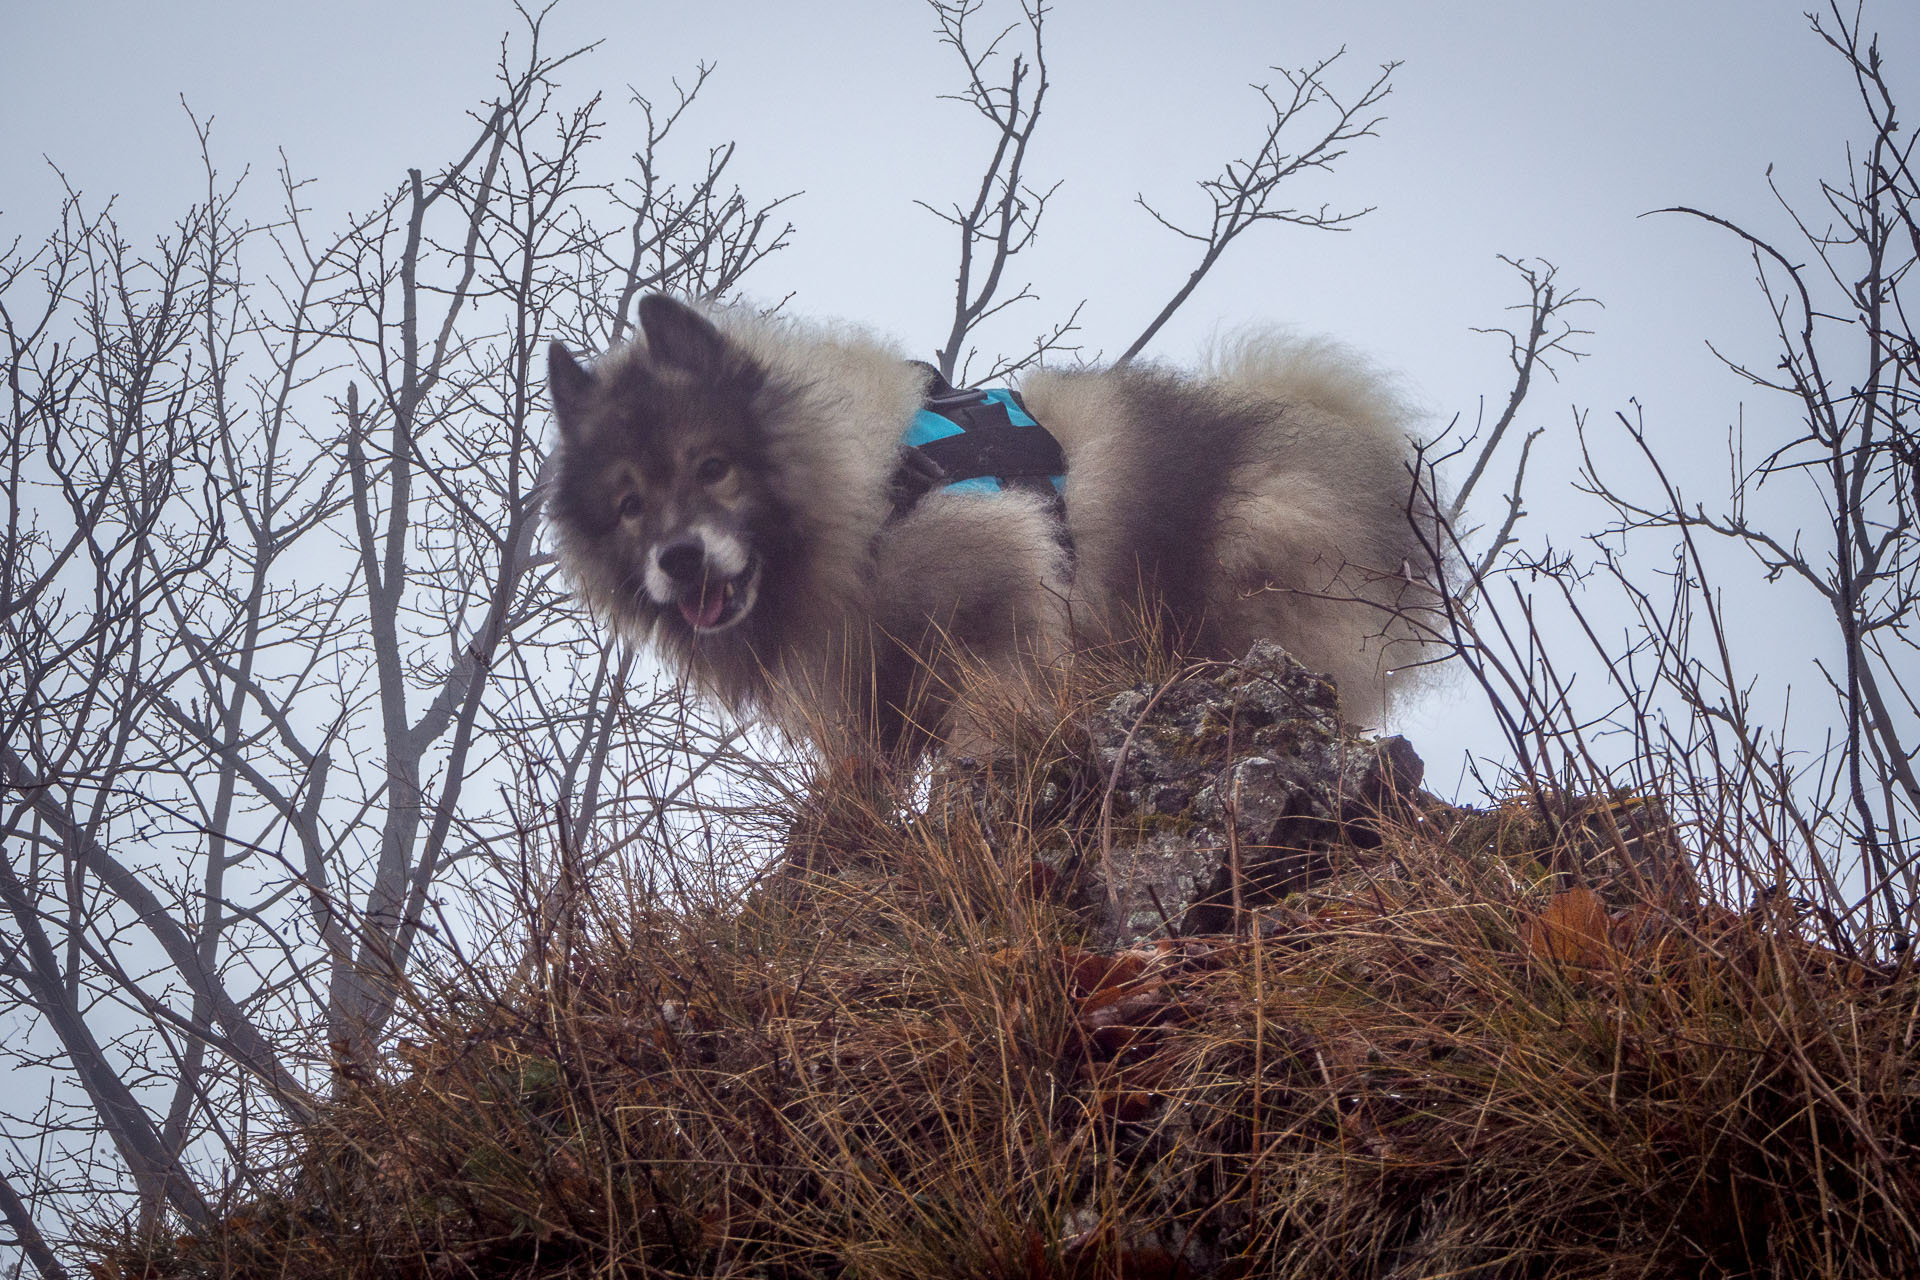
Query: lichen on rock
pixel 1225 783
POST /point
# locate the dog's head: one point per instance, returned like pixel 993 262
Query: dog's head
pixel 661 500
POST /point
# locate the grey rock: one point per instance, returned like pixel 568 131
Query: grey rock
pixel 1234 773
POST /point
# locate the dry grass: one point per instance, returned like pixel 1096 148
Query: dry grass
pixel 1469 1053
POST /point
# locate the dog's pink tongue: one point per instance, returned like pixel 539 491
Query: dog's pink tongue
pixel 704 611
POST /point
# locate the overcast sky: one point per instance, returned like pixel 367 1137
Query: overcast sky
pixel 1527 128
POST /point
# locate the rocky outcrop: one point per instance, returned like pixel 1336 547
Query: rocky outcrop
pixel 1227 786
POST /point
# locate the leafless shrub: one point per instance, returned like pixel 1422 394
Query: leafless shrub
pixel 282 664
pixel 1828 823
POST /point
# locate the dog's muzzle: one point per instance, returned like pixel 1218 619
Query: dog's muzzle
pixel 696 580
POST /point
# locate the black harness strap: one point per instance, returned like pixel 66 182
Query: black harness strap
pixel 979 439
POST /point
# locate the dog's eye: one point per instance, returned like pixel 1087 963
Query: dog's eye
pixel 630 506
pixel 712 470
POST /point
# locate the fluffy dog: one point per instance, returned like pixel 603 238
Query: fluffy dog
pixel 730 491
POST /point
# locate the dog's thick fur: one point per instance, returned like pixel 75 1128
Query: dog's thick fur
pixel 724 494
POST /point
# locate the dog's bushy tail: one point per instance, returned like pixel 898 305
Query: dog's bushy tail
pixel 1360 437
pixel 1280 366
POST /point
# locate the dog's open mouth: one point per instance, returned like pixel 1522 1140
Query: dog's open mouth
pixel 714 604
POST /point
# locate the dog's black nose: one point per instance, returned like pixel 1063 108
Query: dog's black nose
pixel 683 561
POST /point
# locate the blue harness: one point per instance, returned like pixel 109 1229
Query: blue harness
pixel 976 441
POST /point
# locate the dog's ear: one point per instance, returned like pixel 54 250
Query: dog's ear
pixel 680 336
pixel 567 386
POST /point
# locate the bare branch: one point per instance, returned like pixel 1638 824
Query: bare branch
pixel 1245 191
pixel 1004 215
pixel 26 1233
pixel 1529 352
